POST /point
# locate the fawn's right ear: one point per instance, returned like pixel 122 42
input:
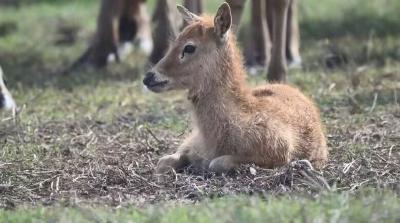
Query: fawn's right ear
pixel 187 15
pixel 223 20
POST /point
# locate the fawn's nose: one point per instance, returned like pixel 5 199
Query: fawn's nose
pixel 149 78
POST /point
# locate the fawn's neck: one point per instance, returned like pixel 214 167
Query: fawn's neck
pixel 223 101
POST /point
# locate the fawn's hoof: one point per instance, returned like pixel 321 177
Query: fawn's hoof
pixel 302 164
pixel 168 163
pixel 222 164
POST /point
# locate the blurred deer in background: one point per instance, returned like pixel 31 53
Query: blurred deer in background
pixel 119 22
pixel 232 123
pixel 273 41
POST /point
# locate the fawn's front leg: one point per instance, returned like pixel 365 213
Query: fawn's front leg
pixel 186 154
pixel 174 161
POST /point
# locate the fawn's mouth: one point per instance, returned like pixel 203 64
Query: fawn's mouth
pixel 154 83
pixel 157 86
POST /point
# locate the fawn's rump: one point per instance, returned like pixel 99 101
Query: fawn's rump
pixel 297 111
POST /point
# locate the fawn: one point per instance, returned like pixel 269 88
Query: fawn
pixel 232 123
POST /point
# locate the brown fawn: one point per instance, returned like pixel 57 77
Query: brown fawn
pixel 232 123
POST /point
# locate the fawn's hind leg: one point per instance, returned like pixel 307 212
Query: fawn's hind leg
pixel 227 163
pixel 276 157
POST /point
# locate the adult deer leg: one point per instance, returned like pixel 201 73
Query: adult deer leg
pixel 260 41
pixel 118 20
pixel 166 28
pixel 237 7
pixel 107 36
pixel 293 36
pixel 195 6
pixel 277 68
pixel 142 20
pixel 134 26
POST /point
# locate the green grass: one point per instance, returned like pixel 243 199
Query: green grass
pixel 365 207
pixel 93 133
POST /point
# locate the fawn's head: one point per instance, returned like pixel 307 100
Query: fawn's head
pixel 6 101
pixel 194 55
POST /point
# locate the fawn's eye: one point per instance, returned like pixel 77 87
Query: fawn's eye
pixel 188 49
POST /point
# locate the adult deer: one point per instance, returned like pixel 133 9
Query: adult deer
pixel 275 35
pixel 232 123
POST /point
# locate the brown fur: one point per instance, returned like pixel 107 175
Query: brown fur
pixel 232 123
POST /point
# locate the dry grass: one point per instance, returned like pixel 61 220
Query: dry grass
pixel 88 161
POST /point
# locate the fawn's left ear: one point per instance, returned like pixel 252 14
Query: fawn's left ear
pixel 187 15
pixel 223 20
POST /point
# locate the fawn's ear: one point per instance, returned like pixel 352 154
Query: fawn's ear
pixel 187 15
pixel 223 20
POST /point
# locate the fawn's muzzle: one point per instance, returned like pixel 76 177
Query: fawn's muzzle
pixel 151 81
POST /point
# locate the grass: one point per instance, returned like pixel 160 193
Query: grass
pixel 365 207
pixel 89 142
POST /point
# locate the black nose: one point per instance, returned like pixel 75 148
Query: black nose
pixel 149 78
